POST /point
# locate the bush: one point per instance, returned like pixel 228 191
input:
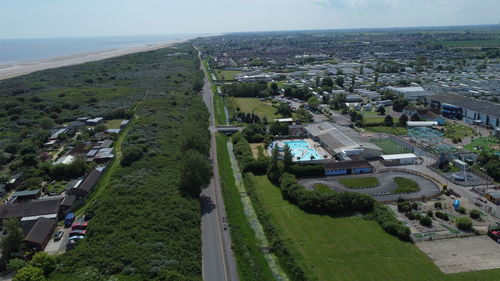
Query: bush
pixel 411 216
pixel 29 273
pixel 463 224
pixel 404 207
pixel 44 261
pixel 15 265
pixel 430 213
pixel 414 206
pixel 438 205
pixel 132 154
pixel 389 222
pixel 475 214
pixel 462 210
pixel 307 170
pixel 425 221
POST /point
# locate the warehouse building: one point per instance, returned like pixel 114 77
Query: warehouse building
pixel 472 111
pixel 410 93
pixel 399 159
pixel 348 168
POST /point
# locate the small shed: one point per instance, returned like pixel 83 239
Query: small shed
pixel 494 196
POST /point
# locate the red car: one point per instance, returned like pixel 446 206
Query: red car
pixel 79 225
pixel 77 232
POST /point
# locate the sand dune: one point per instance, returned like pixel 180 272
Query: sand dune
pixel 12 70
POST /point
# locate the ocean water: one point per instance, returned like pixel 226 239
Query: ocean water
pixel 20 50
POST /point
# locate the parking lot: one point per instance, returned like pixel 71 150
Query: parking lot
pixel 463 254
pixel 58 247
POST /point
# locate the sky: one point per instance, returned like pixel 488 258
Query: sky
pixel 89 18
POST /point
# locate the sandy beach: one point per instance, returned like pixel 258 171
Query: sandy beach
pixel 12 70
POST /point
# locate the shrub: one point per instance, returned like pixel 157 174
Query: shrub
pixel 44 261
pixel 430 213
pixel 414 206
pixel 463 224
pixel 404 207
pixel 411 216
pixel 461 210
pixel 29 273
pixel 15 265
pixel 438 205
pixel 475 214
pixel 425 221
pixel 132 154
pixel 307 170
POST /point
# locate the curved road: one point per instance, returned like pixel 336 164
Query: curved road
pixel 218 262
pixel 382 191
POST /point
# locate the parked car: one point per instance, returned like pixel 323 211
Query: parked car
pixel 58 235
pixel 79 224
pixel 70 218
pixel 75 237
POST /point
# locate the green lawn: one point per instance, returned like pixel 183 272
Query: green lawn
pixel 359 182
pixel 350 248
pixel 484 144
pixel 457 131
pixel 388 130
pixel 405 185
pixel 319 187
pixel 113 124
pixel 228 74
pixel 390 147
pixel 262 109
pixel 373 119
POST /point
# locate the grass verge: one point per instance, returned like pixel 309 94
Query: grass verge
pixel 251 262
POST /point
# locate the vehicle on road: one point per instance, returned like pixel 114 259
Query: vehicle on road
pixel 58 235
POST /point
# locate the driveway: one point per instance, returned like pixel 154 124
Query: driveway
pixel 58 247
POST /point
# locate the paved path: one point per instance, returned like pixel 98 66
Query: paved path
pixel 218 260
pixel 382 191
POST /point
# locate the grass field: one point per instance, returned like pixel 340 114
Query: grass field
pixel 255 105
pixel 486 144
pixel 390 147
pixel 373 119
pixel 453 130
pixel 405 185
pixel 113 124
pixel 359 182
pixel 228 74
pixel 350 248
pixel 319 187
pixel 388 130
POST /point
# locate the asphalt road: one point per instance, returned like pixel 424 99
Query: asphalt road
pixel 218 260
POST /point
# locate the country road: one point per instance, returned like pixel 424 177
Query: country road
pixel 218 261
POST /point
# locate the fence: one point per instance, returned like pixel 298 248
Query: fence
pixel 429 236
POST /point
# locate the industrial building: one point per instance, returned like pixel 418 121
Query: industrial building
pixel 399 159
pixel 410 93
pixel 472 111
pixel 348 168
pixel 342 142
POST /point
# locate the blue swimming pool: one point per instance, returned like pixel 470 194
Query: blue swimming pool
pixel 301 151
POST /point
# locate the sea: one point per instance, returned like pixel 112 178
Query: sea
pixel 14 51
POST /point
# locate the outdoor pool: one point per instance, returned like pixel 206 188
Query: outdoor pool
pixel 301 151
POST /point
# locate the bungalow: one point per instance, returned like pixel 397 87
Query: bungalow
pixel 348 168
pixel 40 234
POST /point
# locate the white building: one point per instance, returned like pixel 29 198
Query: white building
pixel 410 93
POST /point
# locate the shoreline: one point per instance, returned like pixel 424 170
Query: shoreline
pixel 8 70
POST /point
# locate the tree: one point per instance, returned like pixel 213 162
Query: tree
pixel 277 128
pixel 327 81
pixel 375 80
pixel 11 243
pixel 425 221
pixel 273 171
pixel 287 157
pixel 304 115
pixel 463 224
pixel 313 102
pixel 195 172
pixel 415 117
pixel 29 273
pixel 399 104
pixel 44 261
pixel 274 88
pixel 46 122
pixel 381 110
pixel 388 121
pixel 131 155
pixel 402 120
pixel 284 110
pixel 14 265
pixel 340 81
pixel 475 214
pixel 438 205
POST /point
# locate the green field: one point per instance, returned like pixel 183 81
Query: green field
pixel 373 119
pixel 405 185
pixel 387 130
pixel 453 130
pixel 113 124
pixel 486 144
pixel 359 182
pixel 390 147
pixel 228 74
pixel 350 248
pixel 255 105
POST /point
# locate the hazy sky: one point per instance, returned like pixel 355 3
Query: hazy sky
pixel 75 18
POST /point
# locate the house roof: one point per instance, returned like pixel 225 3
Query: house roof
pixel 69 200
pixel 31 208
pixel 480 106
pixel 26 193
pixel 40 231
pixel 90 181
pixel 341 165
pixel 398 156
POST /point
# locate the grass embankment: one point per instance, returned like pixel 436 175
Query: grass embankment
pixel 220 115
pixel 359 182
pixel 405 185
pixel 251 262
pixel 349 248
pixel 255 105
pixel 390 147
pixel 387 130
